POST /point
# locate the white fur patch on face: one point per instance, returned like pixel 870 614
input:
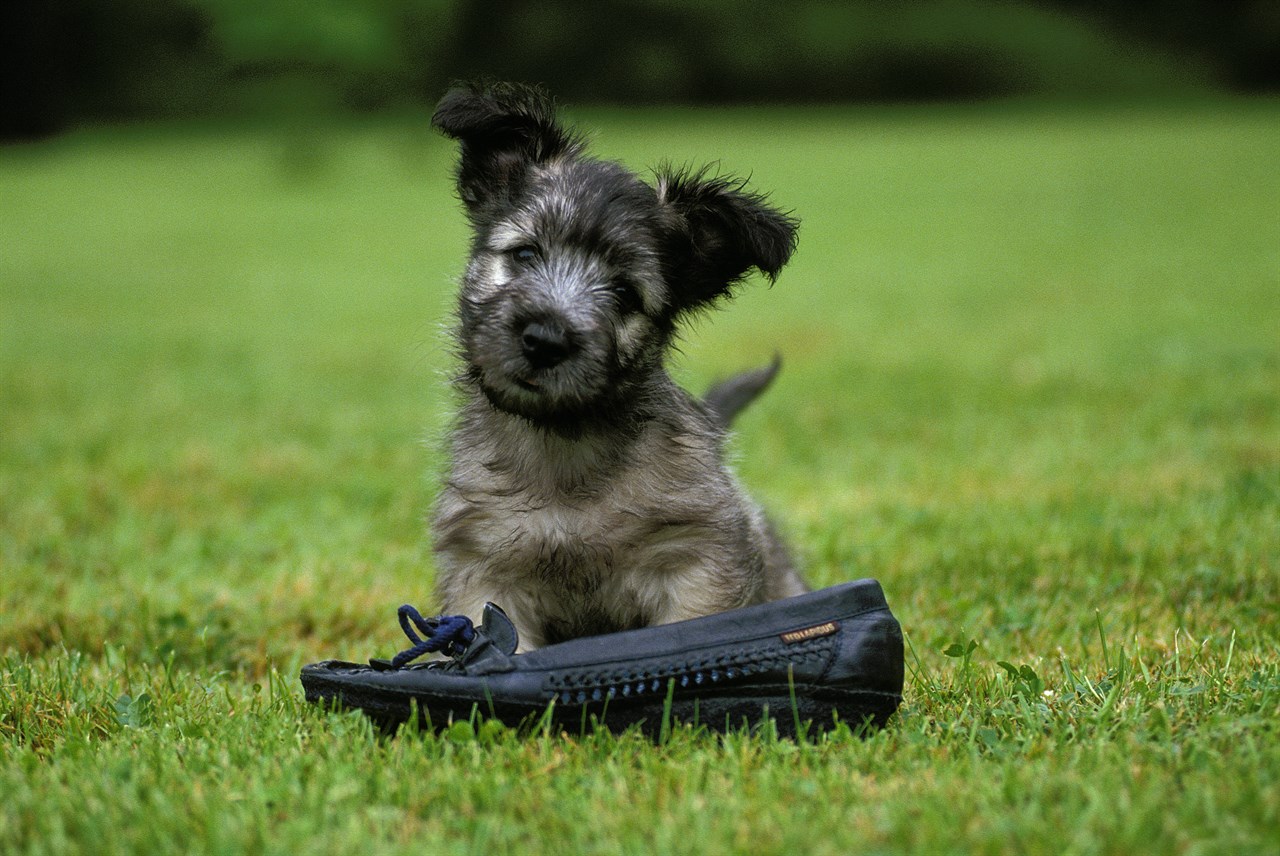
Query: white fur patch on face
pixel 567 284
pixel 488 274
pixel 653 293
pixel 632 334
pixel 507 236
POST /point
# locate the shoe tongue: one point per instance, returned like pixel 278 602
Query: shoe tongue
pixel 499 629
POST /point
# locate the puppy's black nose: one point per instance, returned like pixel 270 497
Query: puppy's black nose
pixel 545 344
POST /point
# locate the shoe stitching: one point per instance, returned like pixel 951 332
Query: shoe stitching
pixel 597 685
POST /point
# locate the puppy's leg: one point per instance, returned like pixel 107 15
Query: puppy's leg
pixel 703 590
pixel 781 579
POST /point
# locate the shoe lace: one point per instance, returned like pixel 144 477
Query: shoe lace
pixel 450 634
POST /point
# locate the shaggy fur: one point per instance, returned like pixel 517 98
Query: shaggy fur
pixel 587 492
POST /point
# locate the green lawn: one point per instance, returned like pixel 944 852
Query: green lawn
pixel 1031 383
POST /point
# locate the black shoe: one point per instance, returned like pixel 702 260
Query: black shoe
pixel 822 657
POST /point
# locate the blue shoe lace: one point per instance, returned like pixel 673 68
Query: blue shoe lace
pixel 450 634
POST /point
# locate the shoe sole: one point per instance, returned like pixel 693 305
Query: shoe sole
pixel 808 710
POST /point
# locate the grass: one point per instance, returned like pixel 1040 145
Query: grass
pixel 1032 384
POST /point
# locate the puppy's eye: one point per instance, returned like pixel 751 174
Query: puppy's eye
pixel 627 297
pixel 525 254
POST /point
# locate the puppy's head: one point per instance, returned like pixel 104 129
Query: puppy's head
pixel 580 270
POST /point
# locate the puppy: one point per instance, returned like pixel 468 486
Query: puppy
pixel 587 493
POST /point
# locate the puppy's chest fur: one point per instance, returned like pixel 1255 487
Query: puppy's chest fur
pixel 581 543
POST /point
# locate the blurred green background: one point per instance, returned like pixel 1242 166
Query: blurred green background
pixel 84 60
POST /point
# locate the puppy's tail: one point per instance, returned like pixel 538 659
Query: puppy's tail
pixel 726 399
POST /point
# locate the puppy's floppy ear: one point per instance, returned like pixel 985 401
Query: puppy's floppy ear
pixel 721 231
pixel 503 128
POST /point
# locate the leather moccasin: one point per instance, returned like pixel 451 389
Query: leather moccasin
pixel 807 663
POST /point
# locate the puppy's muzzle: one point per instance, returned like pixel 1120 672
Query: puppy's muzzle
pixel 546 344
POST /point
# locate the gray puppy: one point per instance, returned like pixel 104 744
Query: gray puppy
pixel 587 492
